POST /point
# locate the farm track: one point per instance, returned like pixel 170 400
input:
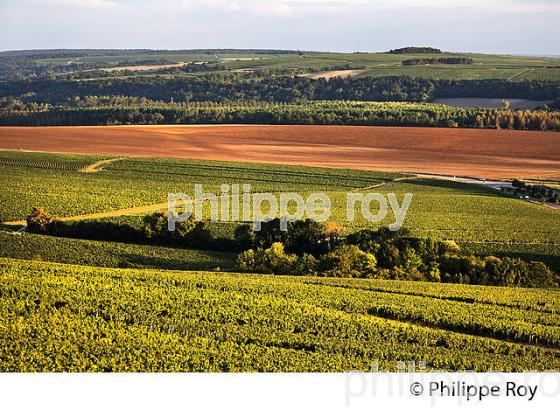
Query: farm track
pixel 492 154
pixel 100 215
pixel 129 211
pixel 99 165
pixel 137 210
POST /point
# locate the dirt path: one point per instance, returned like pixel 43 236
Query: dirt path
pixel 137 210
pixel 98 166
pixel 107 214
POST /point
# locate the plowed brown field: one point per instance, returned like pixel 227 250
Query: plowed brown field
pixel 477 153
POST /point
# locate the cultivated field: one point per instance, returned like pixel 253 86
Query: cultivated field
pixel 477 153
pixel 72 317
pixel 143 67
pixel 327 75
pixel 75 318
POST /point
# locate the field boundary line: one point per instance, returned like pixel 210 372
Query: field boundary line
pixel 438 297
pixel 522 73
pixel 465 332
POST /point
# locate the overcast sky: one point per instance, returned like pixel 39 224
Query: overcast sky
pixel 496 26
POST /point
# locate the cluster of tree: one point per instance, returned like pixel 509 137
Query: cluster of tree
pixel 537 191
pixel 519 120
pixel 194 67
pixel 311 248
pixel 93 101
pixel 219 87
pixel 416 50
pixel 134 110
pixel 448 60
pixel 20 67
pixel 154 231
pixel 383 254
pixel 73 53
pixel 11 104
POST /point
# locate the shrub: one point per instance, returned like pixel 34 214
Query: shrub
pixel 155 225
pixel 38 220
pixel 270 233
pixel 187 233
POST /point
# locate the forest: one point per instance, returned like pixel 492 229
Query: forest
pixel 135 111
pixel 239 87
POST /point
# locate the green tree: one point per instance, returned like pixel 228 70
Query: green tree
pixel 539 276
pixel 272 260
pixel 307 236
pixel 349 261
pixel 244 236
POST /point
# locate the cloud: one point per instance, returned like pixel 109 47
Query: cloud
pixel 274 8
pixel 385 5
pixel 512 26
pixel 89 4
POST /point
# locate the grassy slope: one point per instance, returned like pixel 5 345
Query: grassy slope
pixel 60 317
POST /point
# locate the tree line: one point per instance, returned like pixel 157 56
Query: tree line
pixel 313 248
pixel 448 60
pixel 416 50
pixel 138 111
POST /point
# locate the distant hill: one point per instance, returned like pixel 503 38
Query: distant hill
pixel 72 53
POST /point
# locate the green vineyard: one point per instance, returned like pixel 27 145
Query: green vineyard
pixel 70 318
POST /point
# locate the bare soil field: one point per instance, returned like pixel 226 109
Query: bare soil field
pixel 327 75
pixel 461 152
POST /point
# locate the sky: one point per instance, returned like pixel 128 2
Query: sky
pixel 489 26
